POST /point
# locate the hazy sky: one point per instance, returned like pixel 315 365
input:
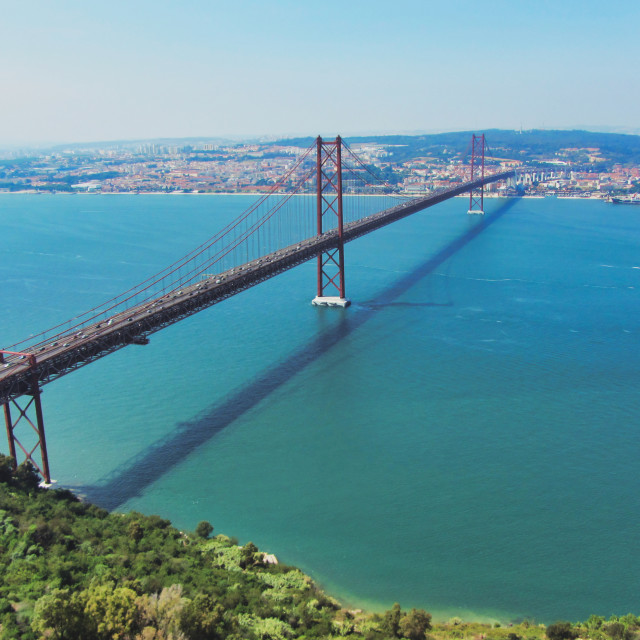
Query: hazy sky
pixel 88 70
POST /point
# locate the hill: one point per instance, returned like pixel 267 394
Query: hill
pixel 531 145
pixel 73 571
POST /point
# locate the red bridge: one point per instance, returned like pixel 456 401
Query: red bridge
pixel 327 186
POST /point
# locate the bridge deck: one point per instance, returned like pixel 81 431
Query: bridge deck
pixel 68 351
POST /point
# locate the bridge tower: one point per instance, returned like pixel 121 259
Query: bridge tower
pixel 331 286
pixel 29 450
pixel 476 196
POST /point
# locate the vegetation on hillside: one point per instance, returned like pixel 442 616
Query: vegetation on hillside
pixel 72 571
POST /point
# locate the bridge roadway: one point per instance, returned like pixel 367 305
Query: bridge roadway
pixel 65 352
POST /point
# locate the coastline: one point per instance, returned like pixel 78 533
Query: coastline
pixel 262 193
pixel 440 614
pixel 208 569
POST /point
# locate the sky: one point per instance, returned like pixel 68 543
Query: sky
pixel 96 70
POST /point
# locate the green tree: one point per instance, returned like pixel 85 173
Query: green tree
pixel 595 622
pixel 6 468
pixel 114 611
pixel 161 614
pixel 135 530
pixel 204 529
pixel 9 629
pixel 250 556
pixel 630 620
pixel 561 631
pixel 391 621
pixel 26 476
pixel 203 619
pixel 615 630
pixel 59 616
pixel 415 624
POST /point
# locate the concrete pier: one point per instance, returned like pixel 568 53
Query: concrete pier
pixel 330 301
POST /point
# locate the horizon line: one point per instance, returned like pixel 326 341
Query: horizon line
pixel 264 137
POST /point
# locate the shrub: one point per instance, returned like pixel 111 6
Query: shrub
pixel 561 631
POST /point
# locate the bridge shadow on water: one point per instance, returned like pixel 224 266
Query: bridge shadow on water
pixel 131 477
pixel 380 305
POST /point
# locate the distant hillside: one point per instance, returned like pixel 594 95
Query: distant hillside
pixel 531 145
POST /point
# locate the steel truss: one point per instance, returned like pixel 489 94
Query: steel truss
pixel 329 205
pixel 38 427
pixel 476 195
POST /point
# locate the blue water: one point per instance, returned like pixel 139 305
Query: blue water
pixel 464 438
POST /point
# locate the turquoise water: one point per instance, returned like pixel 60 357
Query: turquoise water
pixel 464 438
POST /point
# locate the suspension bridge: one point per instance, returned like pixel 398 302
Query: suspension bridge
pixel 322 202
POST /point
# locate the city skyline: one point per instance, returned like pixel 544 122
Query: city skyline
pixel 80 72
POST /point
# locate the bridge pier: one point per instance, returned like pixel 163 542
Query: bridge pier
pixel 330 301
pixel 34 403
pixel 329 203
pixel 38 428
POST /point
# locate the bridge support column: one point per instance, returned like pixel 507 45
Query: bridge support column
pixel 30 449
pixel 476 196
pixel 28 444
pixel 331 282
